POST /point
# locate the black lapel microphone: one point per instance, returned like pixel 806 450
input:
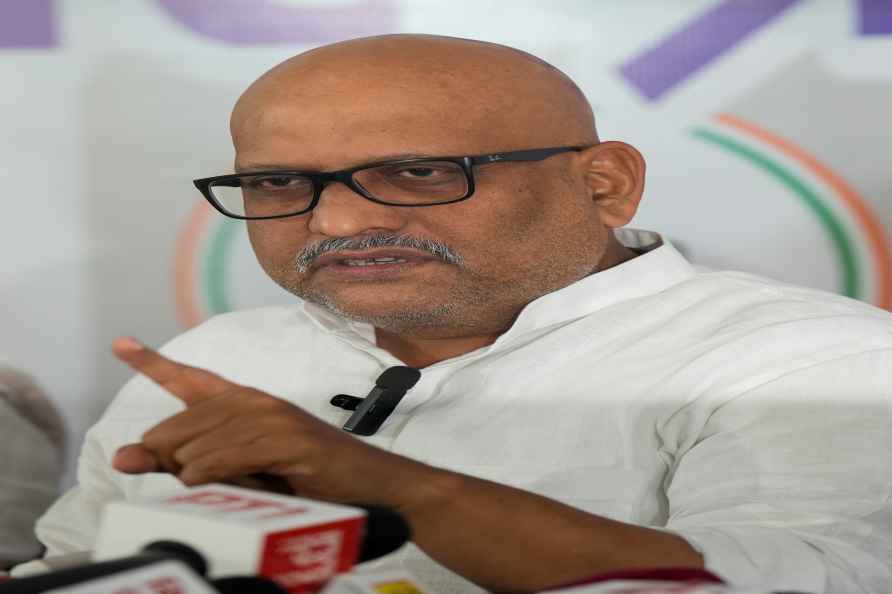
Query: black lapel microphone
pixel 369 413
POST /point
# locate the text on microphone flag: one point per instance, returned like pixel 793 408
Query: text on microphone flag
pixel 228 502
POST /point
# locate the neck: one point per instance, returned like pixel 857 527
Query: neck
pixel 615 254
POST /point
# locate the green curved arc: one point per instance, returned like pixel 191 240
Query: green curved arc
pixel 851 276
pixel 215 271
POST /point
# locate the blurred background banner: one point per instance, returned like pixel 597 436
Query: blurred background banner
pixel 766 125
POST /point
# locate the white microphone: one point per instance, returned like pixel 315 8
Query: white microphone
pixel 167 577
pixel 298 543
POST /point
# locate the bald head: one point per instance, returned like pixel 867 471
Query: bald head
pixel 428 93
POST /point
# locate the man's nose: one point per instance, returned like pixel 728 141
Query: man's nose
pixel 341 212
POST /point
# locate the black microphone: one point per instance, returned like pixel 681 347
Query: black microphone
pixel 156 552
pixel 244 584
pixel 371 412
pixel 385 532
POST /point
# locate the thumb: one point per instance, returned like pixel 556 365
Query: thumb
pixel 135 459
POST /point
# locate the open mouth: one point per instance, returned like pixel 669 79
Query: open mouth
pixel 371 261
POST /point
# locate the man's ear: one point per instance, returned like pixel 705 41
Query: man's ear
pixel 614 175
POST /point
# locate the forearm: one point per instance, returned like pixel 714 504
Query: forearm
pixel 506 539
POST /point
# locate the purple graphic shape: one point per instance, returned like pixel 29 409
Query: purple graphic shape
pixel 28 23
pixel 876 17
pixel 265 21
pixel 697 44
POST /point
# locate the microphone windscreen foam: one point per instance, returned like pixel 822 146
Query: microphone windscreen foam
pixel 398 378
pixel 385 532
pixel 182 552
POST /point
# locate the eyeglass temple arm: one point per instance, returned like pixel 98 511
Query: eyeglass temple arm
pixel 530 155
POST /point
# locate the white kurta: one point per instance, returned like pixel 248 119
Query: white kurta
pixel 750 417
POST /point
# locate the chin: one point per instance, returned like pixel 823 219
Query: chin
pixel 394 316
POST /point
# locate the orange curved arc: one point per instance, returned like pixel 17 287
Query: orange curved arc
pixel 876 235
pixel 185 264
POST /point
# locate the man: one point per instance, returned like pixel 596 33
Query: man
pixel 588 400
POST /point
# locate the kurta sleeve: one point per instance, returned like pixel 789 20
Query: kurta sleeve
pixel 70 525
pixel 787 485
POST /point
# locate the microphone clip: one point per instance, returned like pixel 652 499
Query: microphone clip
pixel 369 413
pixel 345 401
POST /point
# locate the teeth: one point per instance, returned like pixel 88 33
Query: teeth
pixel 373 261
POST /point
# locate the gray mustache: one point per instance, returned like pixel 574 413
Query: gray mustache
pixel 439 250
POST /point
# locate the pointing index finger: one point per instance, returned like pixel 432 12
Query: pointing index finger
pixel 190 384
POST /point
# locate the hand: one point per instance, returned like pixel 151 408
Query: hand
pixel 232 433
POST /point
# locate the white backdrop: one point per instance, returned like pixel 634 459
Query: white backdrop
pixel 766 125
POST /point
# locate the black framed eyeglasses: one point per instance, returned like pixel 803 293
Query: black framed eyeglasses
pixel 420 181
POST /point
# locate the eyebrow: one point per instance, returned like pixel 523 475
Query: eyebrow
pixel 254 167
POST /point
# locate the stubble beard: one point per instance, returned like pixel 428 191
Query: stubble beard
pixel 456 313
pixel 403 322
pixel 473 306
